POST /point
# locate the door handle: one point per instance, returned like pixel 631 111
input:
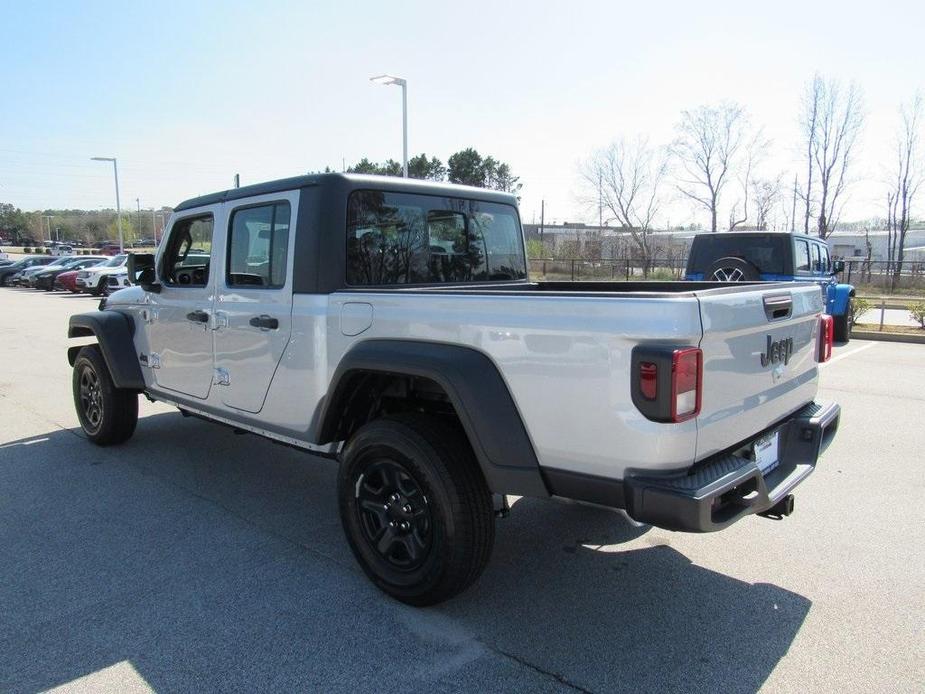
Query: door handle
pixel 264 322
pixel 198 316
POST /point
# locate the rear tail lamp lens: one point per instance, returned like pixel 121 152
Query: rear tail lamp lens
pixel 826 338
pixel 686 381
pixel 648 380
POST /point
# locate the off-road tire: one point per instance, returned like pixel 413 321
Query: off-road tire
pixel 843 324
pixel 451 495
pixel 732 269
pixel 107 414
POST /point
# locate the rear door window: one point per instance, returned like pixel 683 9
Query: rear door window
pixel 801 258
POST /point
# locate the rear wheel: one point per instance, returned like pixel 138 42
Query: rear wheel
pixel 844 323
pixel 733 269
pixel 107 414
pixel 415 508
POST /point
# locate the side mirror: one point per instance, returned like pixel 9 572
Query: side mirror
pixel 140 269
pixel 838 266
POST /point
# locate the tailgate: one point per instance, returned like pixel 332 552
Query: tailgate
pixel 759 359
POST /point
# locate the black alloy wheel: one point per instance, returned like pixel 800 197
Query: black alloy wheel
pixel 415 507
pixel 394 514
pixel 91 399
pixel 107 414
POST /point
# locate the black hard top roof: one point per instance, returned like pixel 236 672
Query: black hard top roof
pixel 351 182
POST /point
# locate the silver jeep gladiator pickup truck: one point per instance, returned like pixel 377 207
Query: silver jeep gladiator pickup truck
pixel 390 324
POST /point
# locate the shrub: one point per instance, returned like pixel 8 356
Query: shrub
pixel 662 274
pixel 858 308
pixel 917 312
pixel 27 250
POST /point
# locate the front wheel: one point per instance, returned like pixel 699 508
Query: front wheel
pixel 415 507
pixel 107 414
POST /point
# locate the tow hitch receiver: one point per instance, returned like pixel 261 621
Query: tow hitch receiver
pixel 782 508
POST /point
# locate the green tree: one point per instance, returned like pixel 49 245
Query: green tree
pixel 128 230
pixel 13 221
pixel 365 166
pixel 467 168
pixel 426 169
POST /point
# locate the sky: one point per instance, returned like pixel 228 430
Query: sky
pixel 188 94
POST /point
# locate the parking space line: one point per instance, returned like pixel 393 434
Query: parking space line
pixel 848 354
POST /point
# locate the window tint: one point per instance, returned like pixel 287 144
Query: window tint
pixel 816 259
pixel 258 246
pixel 801 259
pixel 767 252
pixel 186 261
pixel 396 238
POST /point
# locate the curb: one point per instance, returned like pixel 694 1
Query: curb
pixel 888 337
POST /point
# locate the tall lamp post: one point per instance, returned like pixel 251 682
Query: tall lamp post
pixel 389 79
pixel 115 171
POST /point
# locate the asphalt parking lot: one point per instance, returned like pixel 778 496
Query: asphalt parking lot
pixel 192 558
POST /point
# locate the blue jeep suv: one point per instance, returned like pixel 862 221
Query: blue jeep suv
pixel 773 256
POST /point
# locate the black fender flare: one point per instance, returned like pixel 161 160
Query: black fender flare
pixel 476 390
pixel 113 331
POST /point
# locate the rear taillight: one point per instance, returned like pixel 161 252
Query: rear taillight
pixel 826 338
pixel 686 378
pixel 667 382
pixel 648 380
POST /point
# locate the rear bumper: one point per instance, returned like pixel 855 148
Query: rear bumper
pixel 720 490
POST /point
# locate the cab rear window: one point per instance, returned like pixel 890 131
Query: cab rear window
pixel 400 238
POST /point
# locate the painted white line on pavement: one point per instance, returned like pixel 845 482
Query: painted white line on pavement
pixel 848 354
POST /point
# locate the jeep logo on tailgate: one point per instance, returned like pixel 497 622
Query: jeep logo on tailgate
pixel 779 351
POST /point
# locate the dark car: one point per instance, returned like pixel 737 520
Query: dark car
pixel 7 271
pixel 46 280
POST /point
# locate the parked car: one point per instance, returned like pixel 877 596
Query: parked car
pixel 45 279
pixel 9 271
pixel 116 281
pixel 93 280
pixel 66 281
pixel 748 256
pixel 320 315
pixel 27 277
pixel 62 249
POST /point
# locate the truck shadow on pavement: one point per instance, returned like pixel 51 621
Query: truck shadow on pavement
pixel 191 558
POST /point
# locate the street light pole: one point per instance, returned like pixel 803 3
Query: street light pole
pixel 115 172
pixel 48 218
pixel 403 83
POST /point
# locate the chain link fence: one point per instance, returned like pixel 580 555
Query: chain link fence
pixel 876 277
pixel 886 277
pixel 606 269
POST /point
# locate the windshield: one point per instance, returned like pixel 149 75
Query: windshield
pixel 115 261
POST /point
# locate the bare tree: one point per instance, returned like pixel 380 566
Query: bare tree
pixel 708 147
pixel 754 153
pixel 766 193
pixel 907 178
pixel 809 118
pixel 832 121
pixel 627 179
